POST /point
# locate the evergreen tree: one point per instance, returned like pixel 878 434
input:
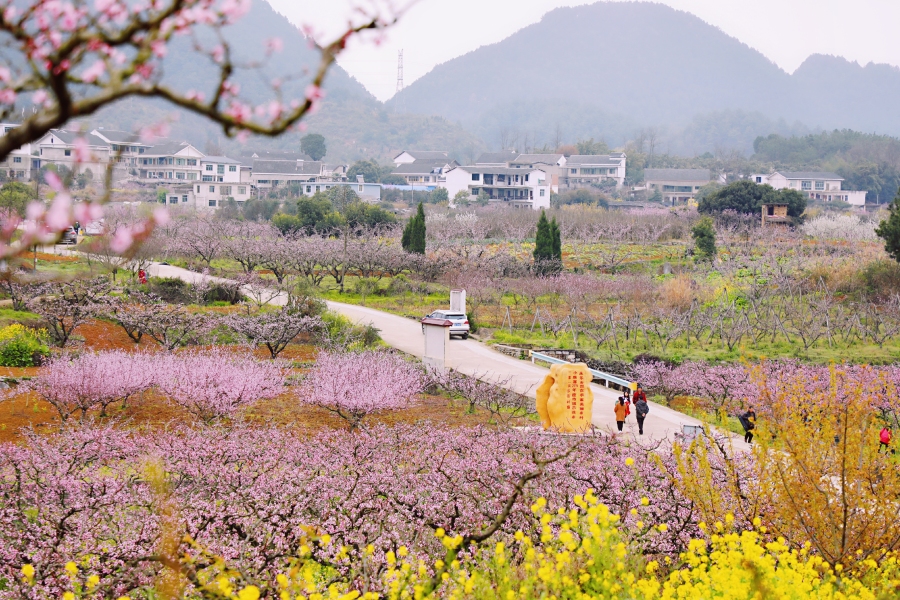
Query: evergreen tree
pixel 413 239
pixel 556 237
pixel 889 229
pixel 545 261
pixel 704 235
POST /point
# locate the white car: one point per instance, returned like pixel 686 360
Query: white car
pixel 460 322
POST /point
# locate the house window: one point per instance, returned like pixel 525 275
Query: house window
pixel 242 189
pixel 192 176
pixel 140 150
pixel 526 178
pixel 192 162
pixel 68 152
pixel 266 181
pixel 759 180
pixel 220 169
pixel 198 189
pixel 212 188
pixel 232 169
pixel 806 185
pixel 179 175
pixel 209 167
pixel 542 193
pixel 184 198
pixel 309 189
pixel 212 203
pixel 360 189
pixel 17 159
pixel 820 185
pixel 574 171
pixel 209 178
pixel 476 177
pixel 225 190
pixel 501 177
pixel 173 199
pixel 179 161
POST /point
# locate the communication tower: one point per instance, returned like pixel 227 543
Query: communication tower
pixel 400 71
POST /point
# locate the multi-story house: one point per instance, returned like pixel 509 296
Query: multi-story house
pixel 125 148
pixel 816 185
pixel 677 186
pixel 58 147
pixel 172 161
pixel 554 165
pixel 426 172
pixel 583 170
pixel 220 179
pixel 18 165
pixel 518 188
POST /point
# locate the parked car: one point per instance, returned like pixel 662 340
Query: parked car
pixel 69 236
pixel 460 322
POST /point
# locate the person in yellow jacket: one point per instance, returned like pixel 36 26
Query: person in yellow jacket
pixel 621 412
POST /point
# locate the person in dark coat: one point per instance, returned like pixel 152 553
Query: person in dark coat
pixel 748 422
pixel 641 408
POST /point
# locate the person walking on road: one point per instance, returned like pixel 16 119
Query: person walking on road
pixel 641 408
pixel 748 422
pixel 621 412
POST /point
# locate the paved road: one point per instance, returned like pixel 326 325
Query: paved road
pixel 477 359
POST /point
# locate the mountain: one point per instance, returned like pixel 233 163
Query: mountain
pixel 609 67
pixel 355 124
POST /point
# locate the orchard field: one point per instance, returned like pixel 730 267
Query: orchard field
pixel 197 439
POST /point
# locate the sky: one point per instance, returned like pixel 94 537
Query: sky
pixel 433 31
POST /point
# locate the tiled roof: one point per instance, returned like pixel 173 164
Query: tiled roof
pixel 220 159
pixel 810 175
pixel 546 159
pixel 120 137
pixel 604 160
pixel 427 154
pixel 676 175
pixel 496 157
pixel 286 167
pixel 167 148
pixel 69 137
pixel 497 170
pixel 420 167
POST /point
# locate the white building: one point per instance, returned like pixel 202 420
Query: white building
pixel 171 162
pixel 677 186
pixel 220 179
pixel 428 172
pixel 816 185
pixel 124 147
pixel 584 170
pixel 58 147
pixel 519 188
pixel 18 165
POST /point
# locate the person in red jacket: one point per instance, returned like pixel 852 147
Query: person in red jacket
pixel 885 438
pixel 639 394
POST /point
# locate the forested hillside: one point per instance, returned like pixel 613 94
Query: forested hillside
pixel 606 69
pixel 353 122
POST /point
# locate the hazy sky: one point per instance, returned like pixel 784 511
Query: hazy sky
pixel 434 31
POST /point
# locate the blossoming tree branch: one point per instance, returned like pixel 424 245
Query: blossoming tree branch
pixel 68 59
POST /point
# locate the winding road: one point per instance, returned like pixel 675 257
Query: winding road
pixel 476 359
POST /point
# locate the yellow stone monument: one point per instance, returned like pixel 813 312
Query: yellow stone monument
pixel 565 400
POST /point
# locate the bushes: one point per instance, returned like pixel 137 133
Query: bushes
pixel 21 346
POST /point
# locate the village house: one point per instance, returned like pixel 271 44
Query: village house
pixel 677 186
pixel 20 162
pixel 584 170
pixel 518 188
pixel 815 185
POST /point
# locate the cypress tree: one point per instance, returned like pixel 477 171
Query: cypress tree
pixel 544 262
pixel 413 239
pixel 557 240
